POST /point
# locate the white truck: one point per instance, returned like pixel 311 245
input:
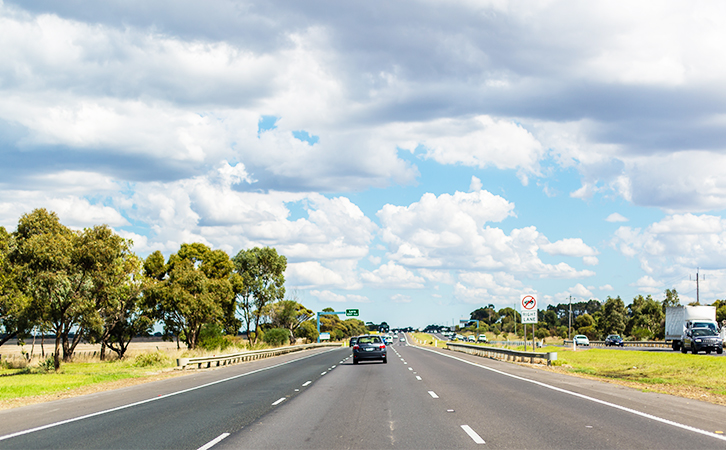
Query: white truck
pixel 680 318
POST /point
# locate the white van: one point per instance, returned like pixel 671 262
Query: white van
pixel 482 338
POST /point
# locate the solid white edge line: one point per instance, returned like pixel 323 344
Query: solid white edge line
pixel 279 401
pixel 585 397
pixel 213 442
pixel 473 434
pixel 153 399
pixel 433 394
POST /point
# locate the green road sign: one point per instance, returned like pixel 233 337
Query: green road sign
pixel 351 312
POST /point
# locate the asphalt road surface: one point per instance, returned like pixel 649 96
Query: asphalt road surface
pixel 421 399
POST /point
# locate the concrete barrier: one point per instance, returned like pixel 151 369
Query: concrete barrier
pixel 504 354
pixel 205 362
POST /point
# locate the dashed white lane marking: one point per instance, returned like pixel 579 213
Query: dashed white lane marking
pixel 153 399
pixel 279 401
pixel 307 383
pixel 418 378
pixel 213 442
pixel 410 368
pixel 585 397
pixel 433 394
pixel 472 434
pixel 334 367
pixel 323 373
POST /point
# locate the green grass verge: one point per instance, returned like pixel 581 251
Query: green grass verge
pixel 425 338
pixel 664 370
pixel 33 381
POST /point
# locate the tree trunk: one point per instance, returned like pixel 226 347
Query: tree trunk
pixel 56 352
pixel 103 351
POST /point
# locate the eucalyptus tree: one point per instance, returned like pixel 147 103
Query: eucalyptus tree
pixel 614 316
pixel 13 303
pixel 119 298
pixel 288 314
pixel 192 289
pixel 63 272
pixel 260 281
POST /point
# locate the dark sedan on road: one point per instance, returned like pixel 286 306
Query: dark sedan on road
pixel 369 347
pixel 614 340
pixel 702 339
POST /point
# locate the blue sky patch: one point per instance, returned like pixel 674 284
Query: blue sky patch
pixel 304 136
pixel 266 123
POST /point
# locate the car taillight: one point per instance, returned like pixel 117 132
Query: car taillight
pixel 355 347
pixel 383 346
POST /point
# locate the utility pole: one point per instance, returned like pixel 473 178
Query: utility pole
pixel 698 290
pixel 569 322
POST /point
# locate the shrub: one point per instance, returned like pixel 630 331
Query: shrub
pixel 308 331
pixel 212 338
pixel 47 366
pixel 641 334
pixel 276 336
pixel 151 359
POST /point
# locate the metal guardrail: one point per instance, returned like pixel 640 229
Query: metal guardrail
pixel 203 362
pixel 660 344
pixel 503 353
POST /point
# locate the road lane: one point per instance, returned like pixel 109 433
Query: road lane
pixel 190 418
pixel 368 405
pixel 513 413
pixel 423 398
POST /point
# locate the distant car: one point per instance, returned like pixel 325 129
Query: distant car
pixel 614 340
pixel 369 347
pixel 581 339
pixel 471 338
pixel 482 338
pixel 698 339
pixel 353 340
pixel 402 339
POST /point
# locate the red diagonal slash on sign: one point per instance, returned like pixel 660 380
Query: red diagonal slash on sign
pixel 529 302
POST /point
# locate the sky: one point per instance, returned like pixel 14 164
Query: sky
pixel 415 160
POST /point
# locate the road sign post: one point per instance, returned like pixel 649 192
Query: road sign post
pixel 529 315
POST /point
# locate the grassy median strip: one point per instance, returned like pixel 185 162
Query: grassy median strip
pixel 699 377
pixel 692 376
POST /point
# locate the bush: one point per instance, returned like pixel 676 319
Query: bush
pixel 562 331
pixel 47 366
pixel 211 338
pixel 276 336
pixel 308 331
pixel 151 359
pixel 641 334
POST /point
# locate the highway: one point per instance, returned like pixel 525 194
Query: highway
pixel 421 399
